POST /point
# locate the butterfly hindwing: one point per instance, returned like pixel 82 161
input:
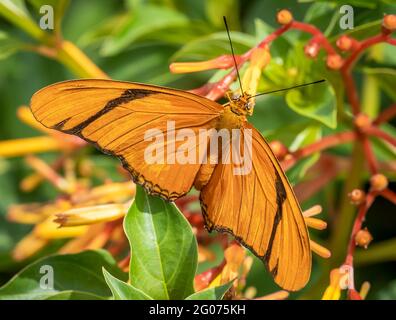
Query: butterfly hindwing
pixel 260 209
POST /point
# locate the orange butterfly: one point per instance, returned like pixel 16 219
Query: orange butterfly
pixel 259 208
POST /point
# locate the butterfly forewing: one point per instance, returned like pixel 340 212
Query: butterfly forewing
pixel 116 116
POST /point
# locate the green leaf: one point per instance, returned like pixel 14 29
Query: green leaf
pixel 213 45
pixel 388 293
pixel 73 295
pixel 360 32
pixel 15 12
pixel 59 7
pixel 122 290
pixel 75 275
pixel 380 252
pixel 164 249
pixel 140 23
pixel 215 293
pixel 216 9
pixel 8 45
pixel 280 47
pixel 357 3
pixel 317 102
pixel 305 137
pixel 386 78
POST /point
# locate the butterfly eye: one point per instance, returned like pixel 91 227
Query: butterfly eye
pixel 236 96
pixel 249 105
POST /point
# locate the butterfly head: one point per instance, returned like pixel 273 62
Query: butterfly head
pixel 241 104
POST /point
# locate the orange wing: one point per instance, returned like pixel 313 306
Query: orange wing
pixel 116 115
pixel 261 211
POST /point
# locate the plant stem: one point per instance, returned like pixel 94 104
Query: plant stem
pixel 386 115
pixel 324 143
pixel 345 217
pixel 357 226
pixel 73 58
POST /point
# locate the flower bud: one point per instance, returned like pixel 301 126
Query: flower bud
pixel 389 22
pixel 362 121
pixel 379 182
pixel 320 250
pixel 334 61
pixel 284 17
pixel 279 149
pixel 357 196
pixel 363 238
pixel 344 43
pixel 311 50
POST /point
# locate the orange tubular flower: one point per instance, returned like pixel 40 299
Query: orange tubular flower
pixel 333 291
pixel 20 147
pixel 99 206
pixel 259 60
pixel 317 224
pixel 221 62
pixel 90 215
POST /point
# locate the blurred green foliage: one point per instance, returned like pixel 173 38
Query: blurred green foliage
pixel 136 40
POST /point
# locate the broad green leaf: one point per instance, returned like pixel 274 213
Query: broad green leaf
pixel 214 293
pixel 386 78
pixel 164 249
pixel 216 9
pixel 357 3
pixel 142 22
pixel 80 273
pixel 362 31
pixel 153 66
pixel 73 295
pixel 122 290
pixel 8 46
pixel 307 136
pixel 317 102
pixel 280 47
pixel 213 45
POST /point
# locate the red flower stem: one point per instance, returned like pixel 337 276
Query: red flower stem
pixel 48 173
pixel 271 37
pixel 370 157
pixel 391 41
pixel 382 37
pixel 386 115
pixel 351 91
pixel 350 86
pixel 358 225
pixel 325 143
pixel 390 195
pixel 377 132
pixel 319 37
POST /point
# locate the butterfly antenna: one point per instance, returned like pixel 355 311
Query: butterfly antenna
pixel 232 51
pixel 284 89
